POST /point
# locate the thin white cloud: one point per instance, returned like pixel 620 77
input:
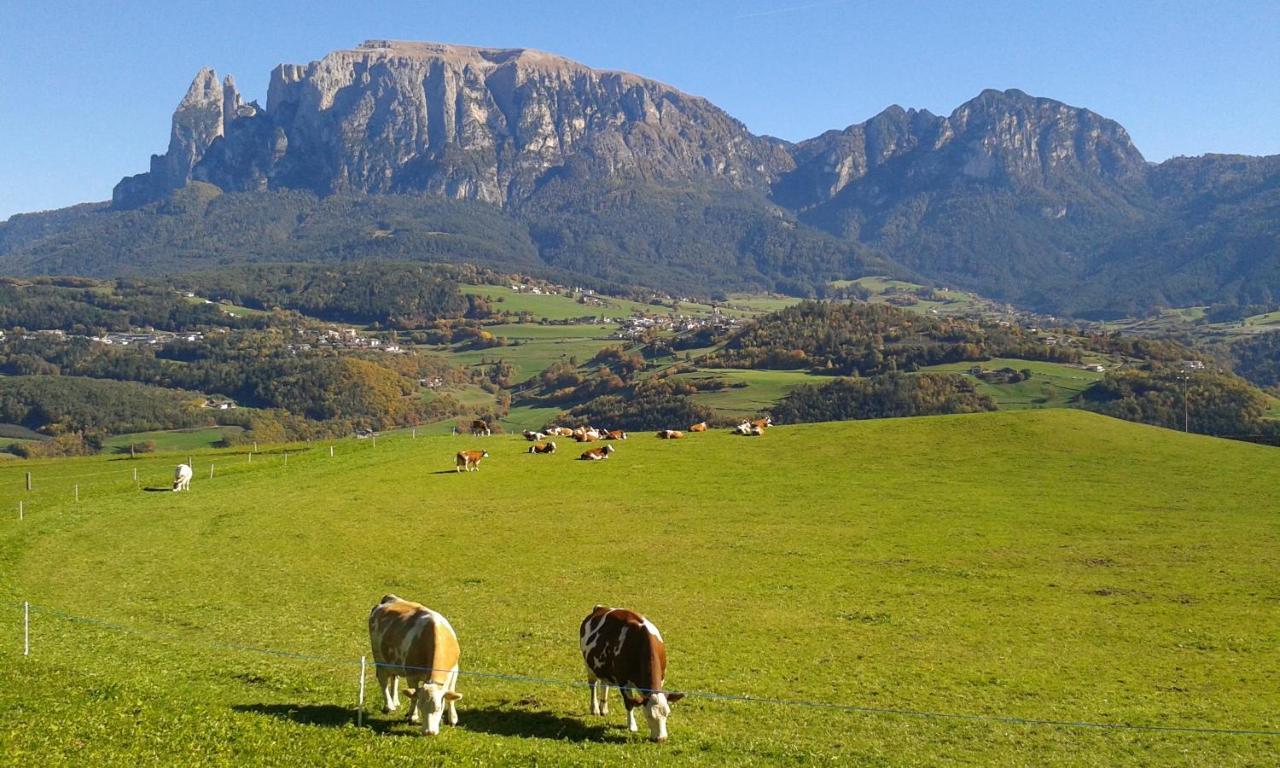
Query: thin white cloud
pixel 790 9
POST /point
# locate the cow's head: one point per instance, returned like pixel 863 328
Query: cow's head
pixel 484 454
pixel 657 708
pixel 429 701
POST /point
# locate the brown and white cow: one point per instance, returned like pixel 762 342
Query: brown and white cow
pixel 615 434
pixel 699 427
pixel 547 447
pixel 533 436
pixel 480 428
pixel 764 423
pixel 560 432
pixel 624 649
pixel 597 454
pixel 584 437
pixel 470 460
pixel 670 434
pixel 412 641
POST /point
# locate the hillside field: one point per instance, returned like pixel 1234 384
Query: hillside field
pixel 1052 385
pixel 1049 564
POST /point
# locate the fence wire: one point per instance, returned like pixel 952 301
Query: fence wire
pixel 336 661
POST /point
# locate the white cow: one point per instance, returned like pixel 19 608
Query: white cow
pixel 182 478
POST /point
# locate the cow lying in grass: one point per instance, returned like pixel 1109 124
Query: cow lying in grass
pixel 596 454
pixel 699 427
pixel 670 434
pixel 624 649
pixel 548 447
pixel 415 642
pixel 470 460
pixel 532 436
pixel 615 434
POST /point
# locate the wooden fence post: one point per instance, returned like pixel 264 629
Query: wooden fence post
pixel 360 711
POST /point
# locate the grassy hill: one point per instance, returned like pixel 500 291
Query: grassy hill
pixel 1052 385
pixel 1048 564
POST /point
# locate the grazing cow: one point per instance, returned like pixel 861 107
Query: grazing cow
pixel 470 460
pixel 543 448
pixel 670 434
pixel 615 434
pixel 597 454
pixel 532 436
pixel 624 649
pixel 480 428
pixel 182 478
pixel 699 427
pixel 415 642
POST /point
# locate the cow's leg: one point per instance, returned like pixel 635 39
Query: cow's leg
pixel 591 689
pixel 631 712
pixel 604 697
pixel 388 683
pixel 412 692
pixel 453 705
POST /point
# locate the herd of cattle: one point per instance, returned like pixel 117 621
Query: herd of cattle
pixel 470 460
pixel 620 648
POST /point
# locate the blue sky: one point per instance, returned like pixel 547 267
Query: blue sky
pixel 87 88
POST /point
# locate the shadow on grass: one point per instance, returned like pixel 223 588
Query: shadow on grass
pixel 537 724
pixel 327 715
pixel 157 489
pixel 495 720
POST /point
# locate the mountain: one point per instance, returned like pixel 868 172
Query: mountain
pixel 455 121
pixel 1002 195
pixel 516 157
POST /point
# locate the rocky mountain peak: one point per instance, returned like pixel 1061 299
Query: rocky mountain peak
pixel 999 137
pixel 203 116
pixel 458 121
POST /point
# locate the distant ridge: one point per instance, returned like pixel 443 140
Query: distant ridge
pixel 614 176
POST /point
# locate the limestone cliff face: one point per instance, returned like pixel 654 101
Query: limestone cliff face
pixel 202 117
pixel 462 122
pixel 1004 138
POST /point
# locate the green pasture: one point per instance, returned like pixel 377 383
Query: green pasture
pixel 1050 565
pixel 1052 385
pixel 173 439
pixel 752 305
pixel 535 355
pixel 763 389
pixel 536 331
pixel 559 307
